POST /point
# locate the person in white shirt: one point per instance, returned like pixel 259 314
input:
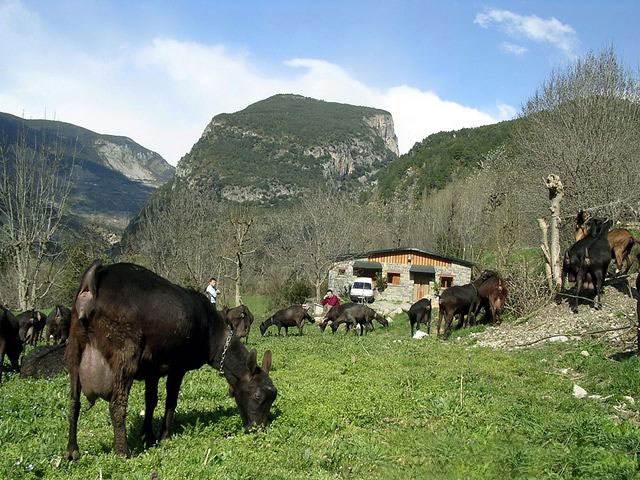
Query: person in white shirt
pixel 211 291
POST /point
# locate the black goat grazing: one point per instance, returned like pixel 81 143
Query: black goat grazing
pixel 358 315
pixel 293 316
pixel 420 312
pixel 586 261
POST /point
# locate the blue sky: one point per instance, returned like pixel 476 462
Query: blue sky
pixel 159 71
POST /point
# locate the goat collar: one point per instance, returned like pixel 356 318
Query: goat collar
pixel 224 350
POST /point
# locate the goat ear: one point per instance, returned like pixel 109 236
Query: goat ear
pixel 252 361
pixel 266 361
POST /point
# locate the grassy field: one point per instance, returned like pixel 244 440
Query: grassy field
pixel 375 407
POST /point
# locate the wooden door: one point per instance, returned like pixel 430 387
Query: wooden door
pixel 421 290
pixel 421 287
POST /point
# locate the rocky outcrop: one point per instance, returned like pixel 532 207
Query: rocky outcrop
pixel 133 162
pixel 382 123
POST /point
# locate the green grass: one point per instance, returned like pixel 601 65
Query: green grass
pixel 379 406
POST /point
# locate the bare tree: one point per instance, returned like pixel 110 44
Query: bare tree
pixel 34 190
pixel 583 124
pixel 324 234
pixel 551 249
pixel 240 220
pixel 312 235
pixel 180 239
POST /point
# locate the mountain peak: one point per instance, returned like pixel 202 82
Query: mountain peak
pixel 281 146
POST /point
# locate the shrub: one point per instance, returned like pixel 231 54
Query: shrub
pixel 283 293
pixel 526 285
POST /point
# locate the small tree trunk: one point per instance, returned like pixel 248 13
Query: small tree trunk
pixel 238 281
pixel 544 246
pixel 23 287
pixel 556 194
pixel 318 284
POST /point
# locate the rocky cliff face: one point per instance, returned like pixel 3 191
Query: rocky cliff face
pixel 383 124
pixel 280 147
pixel 133 161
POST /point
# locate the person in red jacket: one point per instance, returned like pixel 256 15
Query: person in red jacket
pixel 330 300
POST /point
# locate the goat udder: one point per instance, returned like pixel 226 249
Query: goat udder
pixel 96 376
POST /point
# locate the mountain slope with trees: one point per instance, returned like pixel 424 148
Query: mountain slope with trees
pixel 112 175
pixel 442 158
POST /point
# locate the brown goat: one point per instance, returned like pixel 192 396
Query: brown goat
pixel 620 240
pixel 492 295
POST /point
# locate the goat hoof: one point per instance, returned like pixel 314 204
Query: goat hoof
pixel 123 453
pixel 149 440
pixel 72 454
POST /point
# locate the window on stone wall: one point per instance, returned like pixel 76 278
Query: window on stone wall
pixel 341 271
pixel 446 281
pixel 393 278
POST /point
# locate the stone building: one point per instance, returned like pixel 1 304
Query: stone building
pixel 410 273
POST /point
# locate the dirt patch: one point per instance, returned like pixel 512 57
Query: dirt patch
pixel 556 323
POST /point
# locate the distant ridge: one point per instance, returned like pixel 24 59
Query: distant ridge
pixel 113 174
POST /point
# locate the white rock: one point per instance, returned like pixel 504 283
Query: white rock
pixel 420 334
pixel 629 399
pixel 389 319
pixel 559 338
pixel 600 397
pixel 397 310
pixel 564 371
pixel 579 392
pixel 584 353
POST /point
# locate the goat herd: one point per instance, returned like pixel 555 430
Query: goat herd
pixel 127 324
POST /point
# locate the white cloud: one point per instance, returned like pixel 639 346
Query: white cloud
pixel 417 113
pixel 517 50
pixel 532 27
pixel 164 92
pixel 506 112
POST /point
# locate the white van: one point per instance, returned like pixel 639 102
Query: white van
pixel 361 289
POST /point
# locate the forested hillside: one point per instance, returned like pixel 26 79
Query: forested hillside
pixel 443 157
